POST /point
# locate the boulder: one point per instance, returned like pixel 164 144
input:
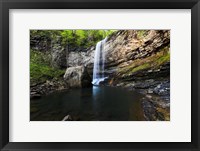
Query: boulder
pixel 77 77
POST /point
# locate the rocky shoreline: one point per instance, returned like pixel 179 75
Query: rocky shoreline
pixel 48 87
pixel 156 100
pixel 155 103
pixel 135 60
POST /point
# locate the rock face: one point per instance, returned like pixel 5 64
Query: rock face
pixel 40 43
pixel 125 47
pixel 63 56
pixel 78 58
pixel 77 77
pixel 58 54
pixel 52 47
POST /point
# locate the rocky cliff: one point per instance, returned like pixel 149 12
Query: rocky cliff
pixel 140 60
pixel 126 50
pixel 134 59
pixel 137 60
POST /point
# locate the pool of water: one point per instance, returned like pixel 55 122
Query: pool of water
pixel 98 103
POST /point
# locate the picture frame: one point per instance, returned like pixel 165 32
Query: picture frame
pixel 6 5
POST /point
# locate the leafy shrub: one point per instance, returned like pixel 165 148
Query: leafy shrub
pixel 76 38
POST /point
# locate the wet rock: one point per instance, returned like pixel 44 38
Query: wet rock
pixel 149 110
pixel 163 88
pixel 150 91
pixel 155 108
pixel 47 87
pixel 34 95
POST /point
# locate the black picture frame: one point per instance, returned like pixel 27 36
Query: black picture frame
pixel 5 5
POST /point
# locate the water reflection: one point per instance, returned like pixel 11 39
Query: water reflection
pixel 88 104
pixel 95 91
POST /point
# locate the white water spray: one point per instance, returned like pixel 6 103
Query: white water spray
pixel 99 61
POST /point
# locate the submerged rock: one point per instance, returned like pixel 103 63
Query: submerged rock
pixel 35 95
pixel 67 118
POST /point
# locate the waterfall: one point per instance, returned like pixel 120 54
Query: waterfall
pixel 99 61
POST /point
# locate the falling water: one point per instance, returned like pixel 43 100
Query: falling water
pixel 99 61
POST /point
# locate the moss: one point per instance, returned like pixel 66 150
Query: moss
pixel 154 62
pixel 40 70
pixel 163 59
pixel 40 73
pixel 40 57
pixel 141 67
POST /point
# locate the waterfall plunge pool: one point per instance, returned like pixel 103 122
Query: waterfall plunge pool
pixel 98 103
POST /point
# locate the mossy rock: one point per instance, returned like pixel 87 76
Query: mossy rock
pixel 40 69
pixel 141 33
pixel 152 62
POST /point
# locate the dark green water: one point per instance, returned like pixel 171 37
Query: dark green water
pixel 88 104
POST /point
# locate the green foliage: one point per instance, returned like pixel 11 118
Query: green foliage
pixel 67 36
pixel 80 36
pixel 163 59
pixel 40 58
pixel 40 62
pixel 40 73
pixel 141 33
pixel 40 69
pixel 45 33
pixel 141 67
pixel 75 38
pixel 153 62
